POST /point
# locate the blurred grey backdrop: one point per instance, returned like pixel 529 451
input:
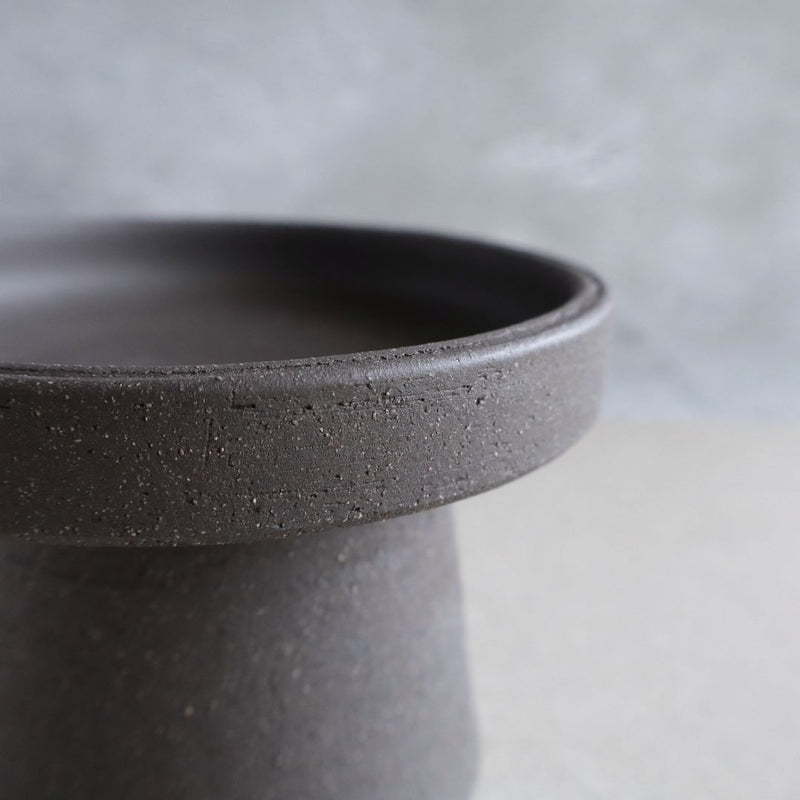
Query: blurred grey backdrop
pixel 656 141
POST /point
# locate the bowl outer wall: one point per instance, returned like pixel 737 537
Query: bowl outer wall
pixel 249 452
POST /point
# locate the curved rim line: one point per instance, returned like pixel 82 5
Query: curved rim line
pixel 590 298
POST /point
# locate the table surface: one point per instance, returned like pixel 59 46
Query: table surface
pixel 634 617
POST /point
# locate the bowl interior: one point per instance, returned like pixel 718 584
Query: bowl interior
pixel 194 294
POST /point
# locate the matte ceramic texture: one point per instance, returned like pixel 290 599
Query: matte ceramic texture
pixel 471 365
pixel 285 396
pixel 322 666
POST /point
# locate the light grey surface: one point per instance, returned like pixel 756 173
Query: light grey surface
pixel 634 620
pixel 656 141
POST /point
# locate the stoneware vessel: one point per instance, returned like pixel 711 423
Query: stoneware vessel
pixel 226 572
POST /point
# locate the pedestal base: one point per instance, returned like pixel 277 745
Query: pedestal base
pixel 324 666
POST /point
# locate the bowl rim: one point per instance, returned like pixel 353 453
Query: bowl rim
pixel 590 297
pixel 217 454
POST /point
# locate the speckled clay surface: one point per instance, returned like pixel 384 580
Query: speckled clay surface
pixel 327 666
pixel 159 454
pixel 326 377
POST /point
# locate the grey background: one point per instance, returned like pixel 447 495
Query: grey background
pixel 655 141
pixel 642 643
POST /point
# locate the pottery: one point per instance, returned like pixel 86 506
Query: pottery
pixel 224 569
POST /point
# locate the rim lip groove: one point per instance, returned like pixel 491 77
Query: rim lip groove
pixel 589 299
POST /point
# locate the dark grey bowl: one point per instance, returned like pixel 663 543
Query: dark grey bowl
pixel 327 377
